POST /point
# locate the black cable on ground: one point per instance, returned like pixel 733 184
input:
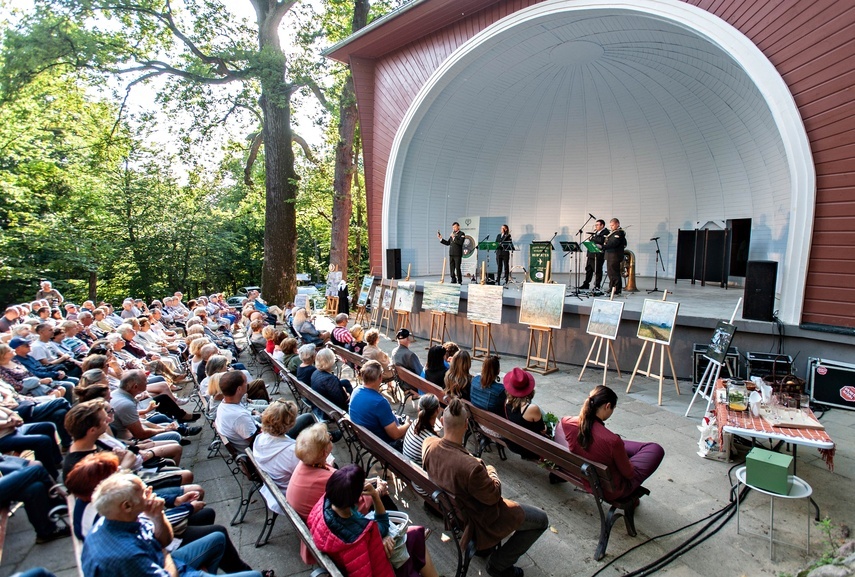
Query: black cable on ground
pixel 690 543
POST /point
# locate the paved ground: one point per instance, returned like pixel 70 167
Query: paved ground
pixel 685 489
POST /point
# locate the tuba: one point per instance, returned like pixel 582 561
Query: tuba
pixel 627 270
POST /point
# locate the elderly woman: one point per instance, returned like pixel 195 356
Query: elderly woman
pixel 25 382
pixel 307 363
pixel 630 462
pixel 336 390
pixel 308 481
pixel 361 546
pixel 307 330
pixel 358 345
pixel 156 384
pixel 519 387
pixel 274 447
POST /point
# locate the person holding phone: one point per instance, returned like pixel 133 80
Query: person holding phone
pixel 455 251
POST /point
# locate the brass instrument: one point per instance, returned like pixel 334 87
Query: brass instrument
pixel 627 270
pixel 617 230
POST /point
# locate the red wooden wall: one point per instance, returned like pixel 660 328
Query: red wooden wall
pixel 811 42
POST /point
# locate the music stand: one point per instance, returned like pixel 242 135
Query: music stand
pixel 572 247
pixel 488 246
pixel 509 245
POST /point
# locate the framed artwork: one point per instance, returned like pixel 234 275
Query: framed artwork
pixel 367 281
pixel 441 297
pixel 485 303
pixel 657 321
pixel 375 300
pixel 605 318
pixel 333 280
pixel 405 295
pixel 720 342
pixel 387 297
pixel 542 304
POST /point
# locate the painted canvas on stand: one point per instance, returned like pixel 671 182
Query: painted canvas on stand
pixel 441 297
pixel 542 304
pixel 605 318
pixel 657 321
pixel 365 289
pixel 485 303
pixel 405 296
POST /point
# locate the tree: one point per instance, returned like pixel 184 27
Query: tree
pixel 214 65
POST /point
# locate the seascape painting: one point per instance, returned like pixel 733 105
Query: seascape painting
pixel 605 318
pixel 367 281
pixel 485 303
pixel 542 304
pixel 441 297
pixel 405 295
pixel 657 321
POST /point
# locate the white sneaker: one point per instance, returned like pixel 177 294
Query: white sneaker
pixel 182 400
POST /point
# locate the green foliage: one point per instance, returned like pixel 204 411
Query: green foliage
pixel 831 544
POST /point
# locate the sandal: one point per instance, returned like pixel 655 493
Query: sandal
pixel 268 573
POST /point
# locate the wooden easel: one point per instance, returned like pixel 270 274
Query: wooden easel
pixel 482 340
pixel 598 343
pixel 540 358
pixel 361 315
pixel 706 386
pixel 386 313
pixel 403 322
pixel 442 275
pixel 375 306
pixel 438 329
pixel 663 349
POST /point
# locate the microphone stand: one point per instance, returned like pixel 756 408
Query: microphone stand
pixel 487 258
pixel 656 269
pixel 578 258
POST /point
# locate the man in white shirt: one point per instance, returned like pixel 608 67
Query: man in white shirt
pixel 234 421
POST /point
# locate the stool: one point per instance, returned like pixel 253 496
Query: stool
pixel 799 490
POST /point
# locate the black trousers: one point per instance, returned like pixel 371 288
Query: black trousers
pixel 594 268
pixel 456 274
pixel 503 260
pixel 613 260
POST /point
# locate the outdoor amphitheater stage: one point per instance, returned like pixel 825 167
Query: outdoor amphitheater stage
pixel 701 307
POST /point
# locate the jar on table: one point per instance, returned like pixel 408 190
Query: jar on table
pixel 737 396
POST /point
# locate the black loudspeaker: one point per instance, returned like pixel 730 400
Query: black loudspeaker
pixel 393 263
pixel 759 298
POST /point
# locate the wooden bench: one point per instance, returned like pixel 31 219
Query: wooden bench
pixel 394 461
pixel 4 520
pixel 589 476
pixel 327 566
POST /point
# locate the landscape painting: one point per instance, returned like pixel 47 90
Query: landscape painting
pixel 657 321
pixel 387 298
pixel 605 318
pixel 485 303
pixel 404 297
pixel 367 281
pixel 441 297
pixel 542 304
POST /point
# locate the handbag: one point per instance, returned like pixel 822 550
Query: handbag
pixel 398 522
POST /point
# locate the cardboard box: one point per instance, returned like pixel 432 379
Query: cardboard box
pixel 769 471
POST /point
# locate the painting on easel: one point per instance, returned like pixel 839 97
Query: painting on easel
pixel 333 280
pixel 485 303
pixel 387 298
pixel 657 321
pixel 542 304
pixel 441 297
pixel 405 295
pixel 375 300
pixel 605 318
pixel 367 281
pixel 720 342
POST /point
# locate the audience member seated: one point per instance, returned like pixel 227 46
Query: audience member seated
pixel 123 543
pixel 336 390
pixel 17 375
pixel 370 409
pixel 458 381
pixel 127 424
pixel 256 389
pixel 34 368
pixel 478 492
pixel 37 410
pixel 519 388
pixel 30 483
pixel 630 462
pixel 11 317
pixel 402 356
pixel 435 367
pixel 287 354
pixel 340 335
pixel 488 392
pixel 422 428
pixel 358 345
pixel 268 332
pixel 308 482
pixel 451 349
pixel 234 421
pixel 359 545
pixel 274 447
pixel 165 404
pixel 303 325
pixel 40 438
pixel 307 363
pixel 373 353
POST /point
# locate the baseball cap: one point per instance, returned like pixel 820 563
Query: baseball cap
pixel 17 342
pixel 403 334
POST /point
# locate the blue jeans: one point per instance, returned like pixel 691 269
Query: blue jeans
pixel 207 552
pixel 30 485
pixel 159 419
pixel 52 411
pixel 39 438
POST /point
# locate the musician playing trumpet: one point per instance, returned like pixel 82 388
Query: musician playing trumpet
pixel 613 246
pixel 594 264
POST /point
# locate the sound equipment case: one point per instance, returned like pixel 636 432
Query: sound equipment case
pixel 700 362
pixel 765 364
pixel 831 383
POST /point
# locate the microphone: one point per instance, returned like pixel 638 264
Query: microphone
pixel 655 238
pixel 592 216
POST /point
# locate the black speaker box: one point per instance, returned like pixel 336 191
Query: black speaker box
pixel 759 299
pixel 393 263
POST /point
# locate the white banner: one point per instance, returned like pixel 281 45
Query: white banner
pixel 470 225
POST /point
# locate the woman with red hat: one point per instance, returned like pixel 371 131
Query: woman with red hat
pixel 519 387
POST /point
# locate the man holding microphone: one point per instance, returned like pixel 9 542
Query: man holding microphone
pixel 455 251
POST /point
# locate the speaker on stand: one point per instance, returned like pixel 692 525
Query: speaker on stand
pixel 759 299
pixel 393 263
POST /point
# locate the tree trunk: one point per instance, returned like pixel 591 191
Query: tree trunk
pixel 93 285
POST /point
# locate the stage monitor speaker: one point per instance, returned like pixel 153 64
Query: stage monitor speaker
pixel 759 299
pixel 393 263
